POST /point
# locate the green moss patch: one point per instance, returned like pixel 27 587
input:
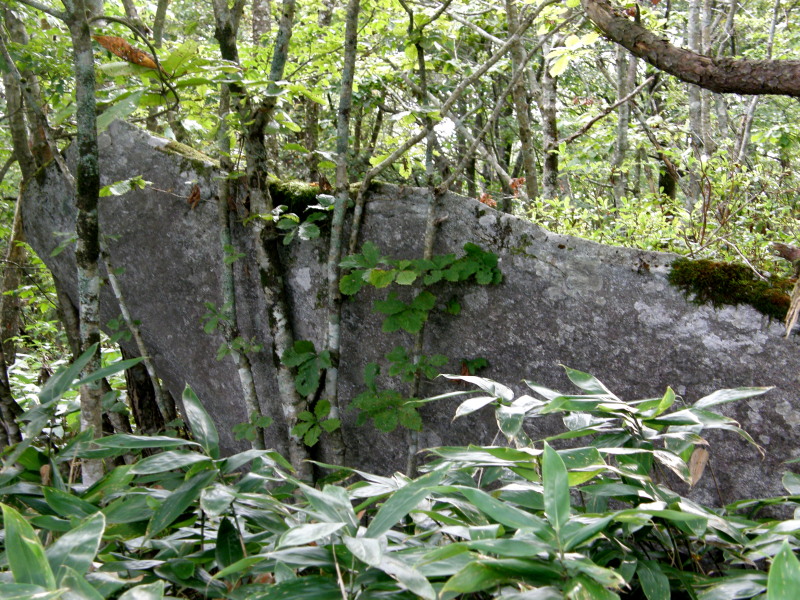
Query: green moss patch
pixel 197 158
pixel 297 195
pixel 720 283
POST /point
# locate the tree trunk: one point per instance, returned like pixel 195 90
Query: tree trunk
pixel 337 447
pixel 228 323
pixel 626 81
pixel 262 20
pixel 142 399
pixel 88 232
pixel 547 109
pixel 521 106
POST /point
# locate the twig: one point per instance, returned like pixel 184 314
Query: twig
pixel 587 126
pixel 163 406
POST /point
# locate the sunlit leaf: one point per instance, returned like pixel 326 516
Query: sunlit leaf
pixel 24 551
pixel 201 424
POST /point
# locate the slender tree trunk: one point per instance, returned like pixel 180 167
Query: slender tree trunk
pixel 262 20
pixel 142 399
pixel 521 106
pixel 549 115
pixel 230 328
pixel 88 232
pixel 705 97
pixel 747 123
pixel 626 81
pixel 267 241
pixel 337 446
pixel 159 22
pixel 312 109
pixel 22 144
pixel 164 406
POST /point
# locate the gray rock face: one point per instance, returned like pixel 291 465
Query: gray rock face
pixel 605 310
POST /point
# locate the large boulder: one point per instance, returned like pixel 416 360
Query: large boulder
pixel 601 309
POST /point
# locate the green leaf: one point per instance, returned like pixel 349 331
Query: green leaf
pixel 62 381
pixel 322 409
pixel 177 61
pixel 586 382
pixel 406 277
pixel 229 546
pixel 745 585
pixel 148 591
pixel 351 283
pixel 301 535
pixel 784 575
pixel 216 499
pixel 653 581
pixel 77 548
pixel 119 110
pixel 556 488
pixel 331 425
pixel 307 379
pixel 68 505
pixel 178 501
pixel 167 461
pixel 401 502
pixel 301 351
pixel 791 483
pixel 200 422
pixel 502 512
pixel 239 566
pixel 391 306
pixel 492 388
pixel 732 395
pixel 127 441
pixel 371 254
pixel 312 587
pixel 380 278
pixel 560 65
pixel 584 588
pixel 312 435
pixel 473 404
pixel 24 551
pixel 424 301
pixel 666 402
pixel 476 576
pixel 27 591
pixel 79 588
pixel 408 577
pixel 333 502
pixel 367 550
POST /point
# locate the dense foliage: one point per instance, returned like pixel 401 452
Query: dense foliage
pixel 587 513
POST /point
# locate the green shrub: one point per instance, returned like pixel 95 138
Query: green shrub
pixel 531 519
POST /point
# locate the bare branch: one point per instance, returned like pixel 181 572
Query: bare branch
pixel 587 126
pixel 61 16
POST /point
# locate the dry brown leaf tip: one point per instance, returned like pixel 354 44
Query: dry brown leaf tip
pixel 120 47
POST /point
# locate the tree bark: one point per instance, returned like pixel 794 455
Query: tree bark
pixel 723 75
pixel 337 446
pixel 262 20
pixel 87 226
pixel 548 111
pixel 229 324
pixel 521 106
pixel 626 79
pixel 142 399
pixel 265 235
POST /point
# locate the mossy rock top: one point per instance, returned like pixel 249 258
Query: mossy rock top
pixel 721 283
